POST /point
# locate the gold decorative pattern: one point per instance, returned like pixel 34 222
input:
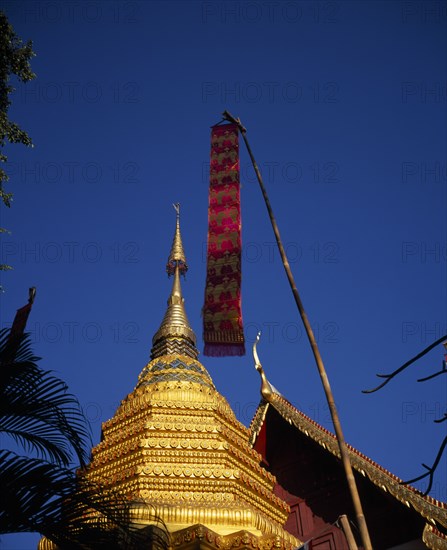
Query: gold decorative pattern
pixel 182 369
pixel 175 323
pixel 46 544
pixel 190 452
pixel 434 539
pixel 235 541
pixel 203 537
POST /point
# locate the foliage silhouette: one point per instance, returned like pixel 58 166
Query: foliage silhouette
pixel 44 493
pixel 15 57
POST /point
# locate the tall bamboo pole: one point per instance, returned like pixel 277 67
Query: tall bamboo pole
pixel 344 454
pixel 348 532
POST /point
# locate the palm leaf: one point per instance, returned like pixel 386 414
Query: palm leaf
pixel 71 511
pixel 42 494
pixel 97 518
pixel 31 492
pixel 37 410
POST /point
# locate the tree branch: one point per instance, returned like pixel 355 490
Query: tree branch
pixel 390 376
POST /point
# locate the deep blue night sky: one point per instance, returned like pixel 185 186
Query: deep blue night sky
pixel 345 107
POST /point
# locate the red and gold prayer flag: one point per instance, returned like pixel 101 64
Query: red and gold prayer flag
pixel 222 316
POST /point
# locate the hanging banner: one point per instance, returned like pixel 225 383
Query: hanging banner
pixel 222 316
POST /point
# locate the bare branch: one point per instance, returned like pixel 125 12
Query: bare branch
pixel 431 470
pixel 442 371
pixel 390 376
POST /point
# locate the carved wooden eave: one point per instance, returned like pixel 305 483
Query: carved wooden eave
pixel 432 510
pixel 433 538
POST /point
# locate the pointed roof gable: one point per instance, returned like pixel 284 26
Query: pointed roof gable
pixel 431 510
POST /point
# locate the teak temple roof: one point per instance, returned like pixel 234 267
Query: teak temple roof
pixel 433 511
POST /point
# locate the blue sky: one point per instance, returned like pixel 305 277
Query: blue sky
pixel 345 106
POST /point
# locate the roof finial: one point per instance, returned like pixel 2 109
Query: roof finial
pixel 177 255
pixel 266 387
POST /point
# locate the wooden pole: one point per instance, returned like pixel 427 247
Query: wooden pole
pixel 348 532
pixel 344 454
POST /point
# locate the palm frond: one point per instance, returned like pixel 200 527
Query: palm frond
pixel 32 490
pixel 97 518
pixel 36 408
pixel 42 494
pixel 71 511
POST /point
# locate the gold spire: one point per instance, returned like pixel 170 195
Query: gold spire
pixel 177 255
pixel 175 334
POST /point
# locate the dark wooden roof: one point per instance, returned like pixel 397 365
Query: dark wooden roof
pixel 304 456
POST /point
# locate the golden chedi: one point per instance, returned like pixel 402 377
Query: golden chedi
pixel 175 443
